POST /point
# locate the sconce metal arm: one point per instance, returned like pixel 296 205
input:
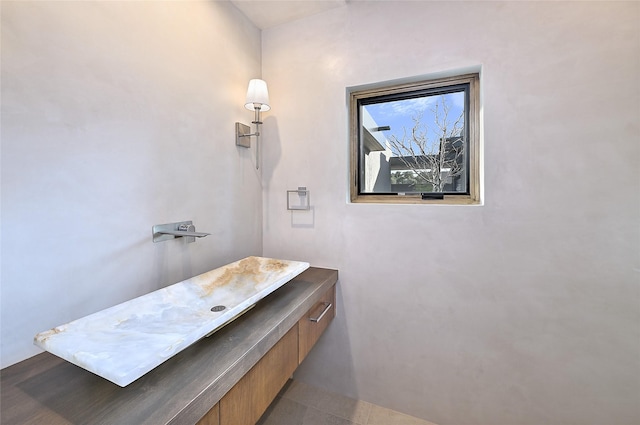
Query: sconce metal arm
pixel 257 133
pixel 242 131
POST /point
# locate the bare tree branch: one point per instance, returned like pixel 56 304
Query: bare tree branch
pixel 436 160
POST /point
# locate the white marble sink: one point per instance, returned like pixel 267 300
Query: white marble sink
pixel 124 342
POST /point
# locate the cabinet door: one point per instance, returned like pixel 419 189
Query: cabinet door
pixel 250 397
pixel 212 417
pixel 316 321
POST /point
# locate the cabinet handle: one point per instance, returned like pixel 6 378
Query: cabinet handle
pixel 327 306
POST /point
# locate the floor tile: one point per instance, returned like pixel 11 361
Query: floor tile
pixel 283 412
pixel 302 404
pixel 355 411
pixel 381 416
pixel 317 417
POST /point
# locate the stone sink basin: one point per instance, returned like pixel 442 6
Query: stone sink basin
pixel 124 342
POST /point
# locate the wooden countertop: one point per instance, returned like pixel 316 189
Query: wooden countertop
pixel 45 389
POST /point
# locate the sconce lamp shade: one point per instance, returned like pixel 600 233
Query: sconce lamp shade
pixel 257 95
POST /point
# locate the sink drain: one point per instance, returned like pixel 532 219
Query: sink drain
pixel 218 308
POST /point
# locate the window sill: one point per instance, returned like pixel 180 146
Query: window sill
pixel 415 199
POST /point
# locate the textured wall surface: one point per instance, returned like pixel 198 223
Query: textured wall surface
pixel 117 116
pixel 520 311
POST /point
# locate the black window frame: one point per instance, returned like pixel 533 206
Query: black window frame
pixel 363 96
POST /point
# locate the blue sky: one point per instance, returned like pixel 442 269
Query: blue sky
pixel 398 114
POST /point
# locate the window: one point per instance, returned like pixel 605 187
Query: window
pixel 416 142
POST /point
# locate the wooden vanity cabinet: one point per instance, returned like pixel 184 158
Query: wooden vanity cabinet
pixel 247 401
pixel 313 324
pixel 250 397
pixel 212 417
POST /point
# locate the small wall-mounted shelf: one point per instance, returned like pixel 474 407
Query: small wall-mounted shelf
pixel 298 199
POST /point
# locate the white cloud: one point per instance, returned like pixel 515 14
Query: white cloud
pixel 412 106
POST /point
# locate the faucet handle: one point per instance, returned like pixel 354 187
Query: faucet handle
pixel 187 228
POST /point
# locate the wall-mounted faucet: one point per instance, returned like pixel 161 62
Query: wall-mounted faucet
pixel 164 232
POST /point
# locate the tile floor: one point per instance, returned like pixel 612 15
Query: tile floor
pixel 302 404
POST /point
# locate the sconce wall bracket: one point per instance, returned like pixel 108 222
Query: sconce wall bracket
pixel 243 135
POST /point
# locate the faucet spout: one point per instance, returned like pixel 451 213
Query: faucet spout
pixel 162 232
pixel 181 233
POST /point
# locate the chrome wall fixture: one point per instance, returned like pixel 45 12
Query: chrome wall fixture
pixel 186 229
pixel 258 101
pixel 298 199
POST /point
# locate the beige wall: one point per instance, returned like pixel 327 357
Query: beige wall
pixel 520 311
pixel 117 116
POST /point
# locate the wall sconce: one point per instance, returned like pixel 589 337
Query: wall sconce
pixel 257 101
